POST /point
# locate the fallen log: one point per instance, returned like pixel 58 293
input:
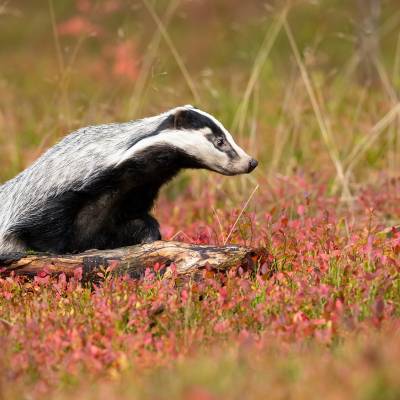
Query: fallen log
pixel 132 261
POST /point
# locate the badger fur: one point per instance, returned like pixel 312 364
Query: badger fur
pixel 97 186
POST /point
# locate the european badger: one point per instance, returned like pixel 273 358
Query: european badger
pixel 96 187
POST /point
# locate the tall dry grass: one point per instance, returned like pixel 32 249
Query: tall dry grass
pixel 285 85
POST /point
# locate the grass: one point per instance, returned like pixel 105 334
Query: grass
pixel 319 314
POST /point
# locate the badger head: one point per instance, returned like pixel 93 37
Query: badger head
pixel 199 139
pixel 204 138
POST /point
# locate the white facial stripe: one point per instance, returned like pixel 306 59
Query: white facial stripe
pixel 205 131
pixel 191 142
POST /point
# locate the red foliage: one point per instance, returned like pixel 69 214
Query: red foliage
pixel 321 272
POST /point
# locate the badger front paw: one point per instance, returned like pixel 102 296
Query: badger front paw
pixel 151 237
pixel 145 229
pixel 151 230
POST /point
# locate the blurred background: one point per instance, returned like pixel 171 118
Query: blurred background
pixel 309 86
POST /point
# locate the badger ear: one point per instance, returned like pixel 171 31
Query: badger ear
pixel 181 119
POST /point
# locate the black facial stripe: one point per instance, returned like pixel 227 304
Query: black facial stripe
pixel 225 148
pixel 191 119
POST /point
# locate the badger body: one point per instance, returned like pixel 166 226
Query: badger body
pixel 97 186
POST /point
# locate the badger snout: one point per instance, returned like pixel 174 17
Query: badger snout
pixel 244 166
pixel 252 165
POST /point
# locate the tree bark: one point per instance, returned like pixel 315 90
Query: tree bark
pixel 131 261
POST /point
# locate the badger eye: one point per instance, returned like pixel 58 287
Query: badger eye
pixel 220 142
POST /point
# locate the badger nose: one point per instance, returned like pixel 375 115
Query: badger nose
pixel 252 164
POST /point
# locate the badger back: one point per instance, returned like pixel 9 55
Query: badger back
pixel 70 165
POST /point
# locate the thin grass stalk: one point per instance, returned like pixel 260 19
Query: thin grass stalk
pixel 262 55
pixel 135 100
pixel 240 214
pixel 324 127
pixel 63 84
pixel 178 59
pixel 359 150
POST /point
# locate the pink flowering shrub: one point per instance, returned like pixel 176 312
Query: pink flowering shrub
pixel 322 271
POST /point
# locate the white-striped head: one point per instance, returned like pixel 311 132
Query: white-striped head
pixel 203 138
